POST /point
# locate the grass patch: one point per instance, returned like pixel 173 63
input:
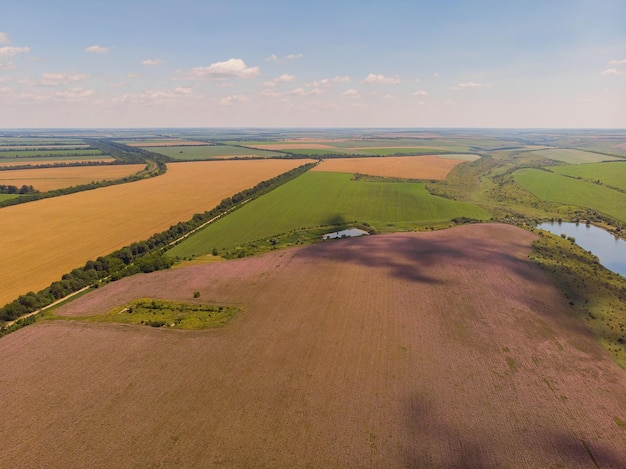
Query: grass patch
pixel 317 202
pixel 162 313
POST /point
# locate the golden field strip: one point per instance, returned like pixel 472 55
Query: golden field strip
pixel 42 240
pixel 418 167
pixel 47 179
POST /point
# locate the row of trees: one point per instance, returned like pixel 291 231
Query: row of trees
pixel 9 189
pixel 144 256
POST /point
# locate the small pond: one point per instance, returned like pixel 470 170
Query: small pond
pixel 351 233
pixel 611 251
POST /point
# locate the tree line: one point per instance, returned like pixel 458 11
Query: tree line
pixel 10 189
pixel 144 256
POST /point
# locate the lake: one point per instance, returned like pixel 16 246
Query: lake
pixel 611 251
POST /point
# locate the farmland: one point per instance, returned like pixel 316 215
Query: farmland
pixel 327 199
pixel 610 174
pixel 207 152
pixel 422 167
pixel 55 178
pixel 571 156
pixel 553 187
pixel 451 350
pixel 65 232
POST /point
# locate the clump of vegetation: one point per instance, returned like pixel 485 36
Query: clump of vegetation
pixel 166 314
pixel 595 294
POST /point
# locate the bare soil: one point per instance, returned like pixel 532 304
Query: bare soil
pixel 438 349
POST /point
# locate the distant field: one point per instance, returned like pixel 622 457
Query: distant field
pixel 43 147
pixel 610 173
pixel 8 196
pixel 47 179
pixel 47 153
pixel 325 198
pixel 207 152
pixel 42 240
pixel 165 143
pixel 408 167
pixel 556 188
pixel 50 160
pixel 574 156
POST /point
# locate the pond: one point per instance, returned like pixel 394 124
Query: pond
pixel 351 233
pixel 611 251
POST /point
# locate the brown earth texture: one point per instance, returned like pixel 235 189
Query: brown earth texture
pixel 437 349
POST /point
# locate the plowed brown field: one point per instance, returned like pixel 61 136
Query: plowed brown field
pixel 438 349
pixel 40 241
pixel 412 167
pixel 47 179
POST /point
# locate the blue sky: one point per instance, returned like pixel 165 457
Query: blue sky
pixel 162 63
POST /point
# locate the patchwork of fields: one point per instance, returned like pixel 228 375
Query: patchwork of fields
pixel 450 350
pixel 42 240
pixel 56 178
pixel 325 198
pixel 571 156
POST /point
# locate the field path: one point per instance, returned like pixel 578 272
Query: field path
pixel 437 349
pixel 40 241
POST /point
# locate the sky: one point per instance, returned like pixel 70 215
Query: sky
pixel 340 63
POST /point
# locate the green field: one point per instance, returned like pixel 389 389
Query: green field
pixel 4 197
pixel 610 173
pixel 320 198
pixel 52 159
pixel 47 153
pixel 574 156
pixel 554 187
pixel 207 152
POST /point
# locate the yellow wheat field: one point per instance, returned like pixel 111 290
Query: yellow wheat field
pixel 411 167
pixel 48 179
pixel 40 241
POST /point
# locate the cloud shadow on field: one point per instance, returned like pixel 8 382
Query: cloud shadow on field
pixel 438 441
pixel 414 256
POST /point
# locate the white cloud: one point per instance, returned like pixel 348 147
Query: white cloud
pixel 617 62
pixel 74 93
pixel 613 71
pixel 121 84
pixel 59 79
pixel 436 75
pixel 148 97
pixel 420 93
pixel 284 78
pixel 329 81
pixel 352 93
pixel 381 79
pixel 272 58
pixel 152 62
pixel 5 89
pixel 294 56
pixel 7 65
pixel 9 51
pixel 234 99
pixel 468 85
pixel 4 38
pixel 96 49
pixel 229 68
